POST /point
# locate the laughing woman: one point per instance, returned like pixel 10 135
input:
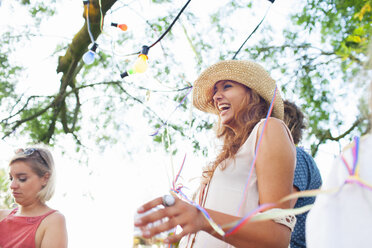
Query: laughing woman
pixel 33 223
pixel 240 93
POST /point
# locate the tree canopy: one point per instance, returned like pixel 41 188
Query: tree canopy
pixel 6 199
pixel 327 47
pixel 316 60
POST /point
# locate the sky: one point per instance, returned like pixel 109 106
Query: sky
pixel 99 198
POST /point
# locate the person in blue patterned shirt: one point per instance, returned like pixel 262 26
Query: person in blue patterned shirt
pixel 307 175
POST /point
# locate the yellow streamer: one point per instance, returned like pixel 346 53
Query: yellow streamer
pixel 279 213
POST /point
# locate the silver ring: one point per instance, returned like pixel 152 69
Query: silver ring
pixel 168 200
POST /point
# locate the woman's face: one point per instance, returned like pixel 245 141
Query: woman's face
pixel 227 99
pixel 25 184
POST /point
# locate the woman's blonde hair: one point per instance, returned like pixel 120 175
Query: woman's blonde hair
pixel 252 109
pixel 41 162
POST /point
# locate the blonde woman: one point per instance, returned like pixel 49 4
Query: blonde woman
pixel 33 223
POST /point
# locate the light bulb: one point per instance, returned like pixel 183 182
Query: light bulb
pixel 140 65
pixel 123 27
pixel 89 57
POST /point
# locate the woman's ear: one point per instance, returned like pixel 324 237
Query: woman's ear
pixel 45 178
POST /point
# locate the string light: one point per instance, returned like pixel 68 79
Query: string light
pixel 123 27
pixel 90 55
pixel 140 65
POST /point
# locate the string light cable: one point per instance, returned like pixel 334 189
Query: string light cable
pixel 122 27
pixel 91 54
pixel 87 4
pixel 141 62
pixel 254 30
pixel 101 16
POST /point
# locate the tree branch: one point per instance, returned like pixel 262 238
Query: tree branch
pixel 326 135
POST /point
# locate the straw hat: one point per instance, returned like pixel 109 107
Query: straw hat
pixel 247 73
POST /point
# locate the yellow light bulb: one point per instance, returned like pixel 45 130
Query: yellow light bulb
pixel 141 65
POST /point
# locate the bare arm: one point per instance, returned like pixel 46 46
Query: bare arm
pixel 275 164
pixel 274 169
pixel 55 235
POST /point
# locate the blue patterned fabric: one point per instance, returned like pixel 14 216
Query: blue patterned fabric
pixel 306 177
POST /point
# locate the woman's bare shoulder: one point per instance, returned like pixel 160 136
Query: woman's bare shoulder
pixel 52 231
pixel 274 124
pixel 54 221
pixel 55 218
pixel 276 135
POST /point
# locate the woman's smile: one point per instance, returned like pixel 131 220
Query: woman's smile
pixel 227 98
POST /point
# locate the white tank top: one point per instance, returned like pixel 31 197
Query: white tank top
pixel 226 191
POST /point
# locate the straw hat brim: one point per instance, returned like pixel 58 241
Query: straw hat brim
pixel 245 72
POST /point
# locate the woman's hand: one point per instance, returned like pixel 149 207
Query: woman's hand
pixel 181 213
